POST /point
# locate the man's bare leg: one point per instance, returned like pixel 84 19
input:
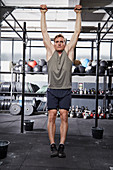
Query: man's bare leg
pixel 51 125
pixel 64 125
pixel 51 131
pixel 63 132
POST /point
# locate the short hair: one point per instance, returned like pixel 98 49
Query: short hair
pixel 60 35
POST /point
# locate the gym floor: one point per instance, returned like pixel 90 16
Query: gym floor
pixel 30 150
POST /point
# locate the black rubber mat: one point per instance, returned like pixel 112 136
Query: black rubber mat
pixel 31 150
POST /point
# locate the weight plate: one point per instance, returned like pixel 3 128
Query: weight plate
pixel 0 86
pixel 6 87
pixel 31 102
pixel 2 105
pixel 26 102
pixel 8 105
pixel 14 102
pixel 28 110
pixel 15 109
pixel 18 86
pixel 5 104
pixel 14 86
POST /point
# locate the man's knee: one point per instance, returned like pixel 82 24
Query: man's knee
pixel 52 115
pixel 64 115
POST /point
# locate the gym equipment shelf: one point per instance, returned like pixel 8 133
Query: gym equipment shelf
pixel 17 72
pixel 73 74
pixel 20 93
pixel 87 96
pixel 86 74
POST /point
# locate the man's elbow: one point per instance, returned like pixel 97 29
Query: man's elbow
pixel 77 32
pixel 43 30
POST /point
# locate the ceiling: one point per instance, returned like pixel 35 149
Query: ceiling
pixel 57 20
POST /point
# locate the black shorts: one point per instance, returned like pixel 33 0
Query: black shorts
pixel 58 99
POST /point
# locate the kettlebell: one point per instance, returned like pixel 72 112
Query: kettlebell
pixel 32 63
pixel 37 68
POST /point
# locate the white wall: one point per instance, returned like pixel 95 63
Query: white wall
pixel 56 20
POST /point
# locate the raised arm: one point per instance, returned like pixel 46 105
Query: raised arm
pixel 71 45
pixel 46 39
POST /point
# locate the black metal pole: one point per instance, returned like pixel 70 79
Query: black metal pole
pixel 12 50
pixel 97 74
pixel 104 87
pixel 109 87
pixel 92 46
pixel 111 51
pixel 23 76
pixel 75 53
pixel 0 39
pixel 30 51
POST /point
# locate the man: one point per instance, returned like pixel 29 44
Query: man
pixel 59 59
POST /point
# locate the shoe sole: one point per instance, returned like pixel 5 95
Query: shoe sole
pixel 54 155
pixel 61 156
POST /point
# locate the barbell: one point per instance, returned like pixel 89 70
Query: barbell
pixel 57 8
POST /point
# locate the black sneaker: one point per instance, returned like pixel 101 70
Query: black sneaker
pixel 61 153
pixel 54 151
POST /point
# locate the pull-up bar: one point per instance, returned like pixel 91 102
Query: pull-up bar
pixel 58 8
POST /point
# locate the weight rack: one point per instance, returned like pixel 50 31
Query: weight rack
pixel 108 9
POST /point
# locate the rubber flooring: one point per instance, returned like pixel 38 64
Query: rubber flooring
pixel 31 151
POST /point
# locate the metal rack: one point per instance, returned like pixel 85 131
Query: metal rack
pixel 24 39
